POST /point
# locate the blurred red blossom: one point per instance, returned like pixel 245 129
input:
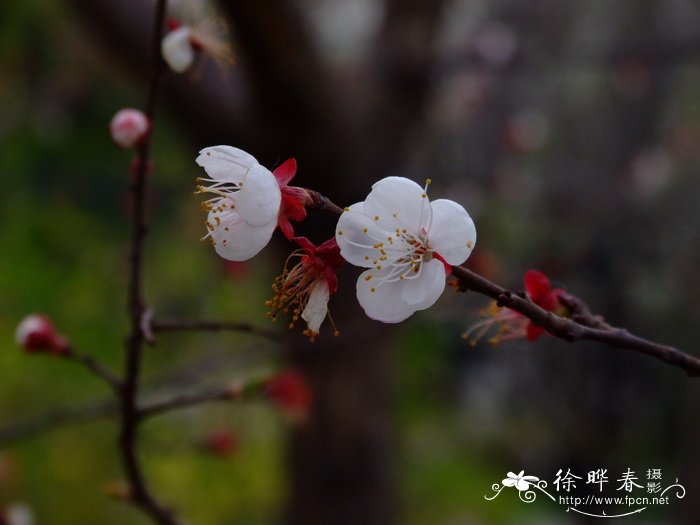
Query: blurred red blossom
pixel 221 442
pixel 512 324
pixel 291 394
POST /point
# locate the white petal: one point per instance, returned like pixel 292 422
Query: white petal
pixel 226 163
pixel 258 201
pixel 316 309
pixel 452 233
pixel 423 291
pixel 384 303
pixel 508 482
pixel 177 50
pixel 240 241
pixel 356 244
pixel 398 202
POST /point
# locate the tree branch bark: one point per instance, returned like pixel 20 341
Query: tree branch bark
pixel 586 326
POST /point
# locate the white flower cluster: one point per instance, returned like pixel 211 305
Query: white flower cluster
pixel 407 244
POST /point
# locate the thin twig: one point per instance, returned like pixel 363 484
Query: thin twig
pixel 581 325
pixel 182 325
pixel 181 401
pixel 95 367
pixel 321 203
pixel 59 417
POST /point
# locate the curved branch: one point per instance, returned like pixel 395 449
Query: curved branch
pixel 140 494
pixel 572 330
pixel 581 325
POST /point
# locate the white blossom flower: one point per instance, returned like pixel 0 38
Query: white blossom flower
pixel 407 242
pixel 181 46
pixel 177 49
pixel 243 213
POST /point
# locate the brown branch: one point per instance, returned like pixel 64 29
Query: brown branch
pixel 594 329
pixel 582 324
pixel 182 325
pixel 181 401
pixel 59 417
pixel 94 366
pixel 139 493
pixel 321 203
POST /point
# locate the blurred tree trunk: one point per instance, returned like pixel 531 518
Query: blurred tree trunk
pixel 341 461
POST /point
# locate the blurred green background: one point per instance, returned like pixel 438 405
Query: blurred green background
pixel 569 130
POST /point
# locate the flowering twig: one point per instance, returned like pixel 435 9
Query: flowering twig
pixel 138 490
pixel 182 325
pixel 585 326
pixel 581 325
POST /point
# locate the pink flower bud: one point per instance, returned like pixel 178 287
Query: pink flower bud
pixel 37 334
pixel 128 128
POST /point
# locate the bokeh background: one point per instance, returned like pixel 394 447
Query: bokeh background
pixel 569 129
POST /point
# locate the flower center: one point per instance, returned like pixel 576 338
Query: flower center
pixel 221 207
pixel 401 257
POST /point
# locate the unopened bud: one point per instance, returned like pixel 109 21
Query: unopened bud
pixel 36 334
pixel 128 128
pixel 177 49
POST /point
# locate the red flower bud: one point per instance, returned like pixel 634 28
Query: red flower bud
pixel 37 334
